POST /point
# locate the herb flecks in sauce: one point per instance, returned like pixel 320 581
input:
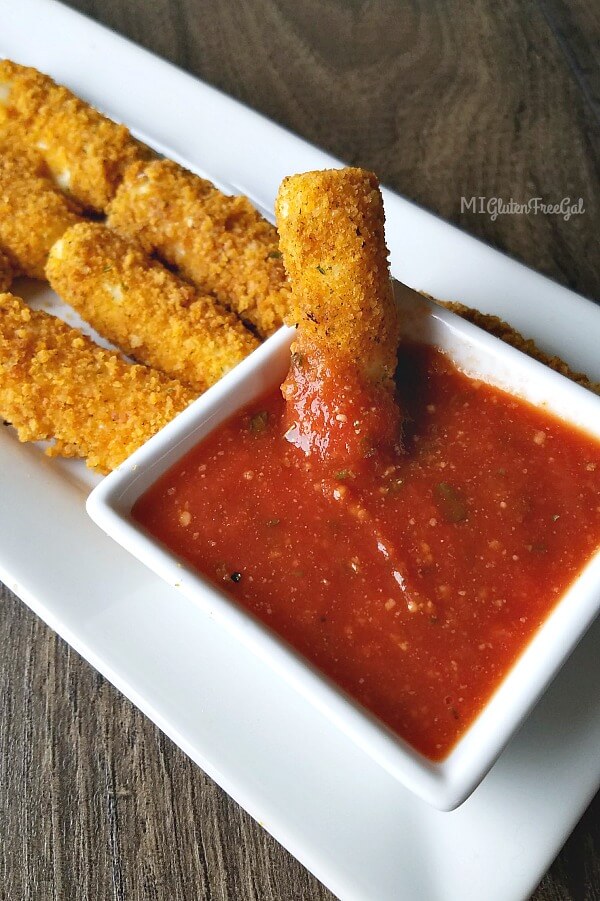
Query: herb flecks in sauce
pixel 450 502
pixel 259 422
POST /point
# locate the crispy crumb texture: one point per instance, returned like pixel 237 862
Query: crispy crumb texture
pixel 331 228
pixel 57 384
pixel 86 152
pixel 220 243
pixel 501 329
pixel 6 272
pixel 33 212
pixel 144 308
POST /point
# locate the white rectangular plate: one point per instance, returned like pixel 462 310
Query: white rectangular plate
pixel 338 812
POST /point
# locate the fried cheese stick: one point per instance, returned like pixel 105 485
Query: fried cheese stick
pixel 57 384
pixel 340 391
pixel 145 309
pixel 331 227
pixel 220 243
pixel 6 272
pixel 86 152
pixel 33 212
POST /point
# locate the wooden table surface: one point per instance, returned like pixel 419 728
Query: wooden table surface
pixel 497 98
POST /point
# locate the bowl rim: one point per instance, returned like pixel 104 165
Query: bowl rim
pixel 445 784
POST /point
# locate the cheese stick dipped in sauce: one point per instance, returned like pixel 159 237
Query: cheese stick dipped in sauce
pixel 33 212
pixel 57 384
pixel 86 152
pixel 143 308
pixel 220 243
pixel 340 394
pixel 6 272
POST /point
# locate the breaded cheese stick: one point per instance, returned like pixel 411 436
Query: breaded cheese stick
pixel 86 152
pixel 144 309
pixel 57 384
pixel 340 393
pixel 33 212
pixel 6 272
pixel 331 228
pixel 220 243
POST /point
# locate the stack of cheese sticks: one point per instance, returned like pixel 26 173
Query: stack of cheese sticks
pixel 180 277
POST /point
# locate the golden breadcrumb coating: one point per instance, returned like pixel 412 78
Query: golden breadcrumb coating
pixel 331 231
pixel 220 243
pixel 33 212
pixel 6 272
pixel 86 153
pixel 144 309
pixel 503 330
pixel 57 384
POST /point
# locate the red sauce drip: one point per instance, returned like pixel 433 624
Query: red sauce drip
pixel 414 582
pixel 333 413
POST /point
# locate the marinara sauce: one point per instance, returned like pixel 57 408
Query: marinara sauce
pixel 412 580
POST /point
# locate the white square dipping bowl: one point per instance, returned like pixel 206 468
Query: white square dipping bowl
pixel 448 783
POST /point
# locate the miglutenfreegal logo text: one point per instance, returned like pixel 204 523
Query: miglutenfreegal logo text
pixel 496 206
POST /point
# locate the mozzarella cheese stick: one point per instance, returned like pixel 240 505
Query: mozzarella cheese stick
pixel 340 394
pixel 86 152
pixel 220 243
pixel 331 227
pixel 143 308
pixel 33 212
pixel 57 384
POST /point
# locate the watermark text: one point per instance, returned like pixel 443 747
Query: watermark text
pixel 496 206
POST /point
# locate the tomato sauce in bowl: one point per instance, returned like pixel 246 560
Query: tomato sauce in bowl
pixel 412 580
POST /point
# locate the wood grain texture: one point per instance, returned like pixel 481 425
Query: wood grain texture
pixel 96 803
pixel 443 100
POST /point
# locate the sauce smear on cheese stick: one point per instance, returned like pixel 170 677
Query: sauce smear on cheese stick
pixel 57 384
pixel 340 394
pixel 143 308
